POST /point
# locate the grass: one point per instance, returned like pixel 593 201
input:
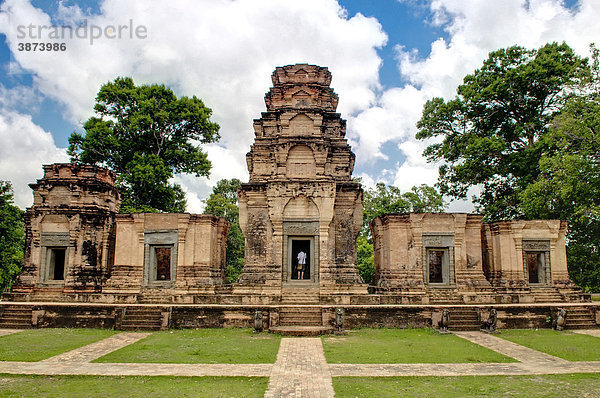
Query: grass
pixel 35 345
pixel 595 297
pixel 131 386
pixel 566 345
pixel 200 346
pixel 568 385
pixel 405 346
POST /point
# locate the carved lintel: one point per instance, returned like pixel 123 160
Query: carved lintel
pixel 537 245
pixel 301 227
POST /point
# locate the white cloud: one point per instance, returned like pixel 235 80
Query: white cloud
pixel 25 147
pixel 221 51
pixel 224 52
pixel 474 28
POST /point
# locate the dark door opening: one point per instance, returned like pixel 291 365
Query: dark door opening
pixel 435 258
pixel 301 253
pixel 534 266
pixel 57 263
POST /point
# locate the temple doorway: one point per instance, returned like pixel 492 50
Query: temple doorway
pixel 301 259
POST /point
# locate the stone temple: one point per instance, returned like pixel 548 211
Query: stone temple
pixel 300 212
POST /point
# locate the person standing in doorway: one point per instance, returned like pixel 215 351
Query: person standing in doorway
pixel 301 264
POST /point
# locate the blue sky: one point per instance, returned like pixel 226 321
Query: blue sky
pixel 387 58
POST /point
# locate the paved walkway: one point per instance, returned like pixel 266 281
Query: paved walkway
pixel 510 349
pixel 301 369
pixel 589 332
pixel 4 332
pixel 98 349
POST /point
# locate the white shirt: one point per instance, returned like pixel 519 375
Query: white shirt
pixel 301 258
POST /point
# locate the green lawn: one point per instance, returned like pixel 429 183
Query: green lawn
pixel 596 297
pixel 37 344
pixel 570 385
pixel 566 345
pixel 131 386
pixel 200 346
pixel 405 346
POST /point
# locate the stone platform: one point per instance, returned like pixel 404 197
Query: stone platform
pixel 165 316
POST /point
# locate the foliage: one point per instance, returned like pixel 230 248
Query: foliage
pixel 568 186
pixel 146 135
pixel 365 258
pixel 12 237
pixel 223 203
pixel 525 129
pixel 386 199
pixel 493 130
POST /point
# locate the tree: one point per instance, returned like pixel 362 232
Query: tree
pixel 12 237
pixel 568 186
pixel 493 129
pixel 145 134
pixel 385 199
pixel 524 129
pixel 223 202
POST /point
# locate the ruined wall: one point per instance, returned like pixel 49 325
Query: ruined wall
pixel 506 242
pixel 401 248
pixel 70 224
pixel 196 247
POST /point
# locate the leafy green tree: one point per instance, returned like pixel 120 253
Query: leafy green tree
pixel 146 134
pixel 568 186
pixel 12 237
pixel 524 129
pixel 386 199
pixel 492 131
pixel 223 202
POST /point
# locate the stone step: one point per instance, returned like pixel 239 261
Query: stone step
pixel 15 325
pixel 136 317
pixel 305 331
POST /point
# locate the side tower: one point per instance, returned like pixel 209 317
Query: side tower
pixel 300 197
pixel 69 233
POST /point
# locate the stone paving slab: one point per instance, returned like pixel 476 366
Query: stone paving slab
pixel 98 349
pixel 589 332
pixel 5 332
pixel 135 369
pixel 508 348
pixel 460 369
pixel 300 370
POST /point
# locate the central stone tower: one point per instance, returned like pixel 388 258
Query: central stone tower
pixel 300 197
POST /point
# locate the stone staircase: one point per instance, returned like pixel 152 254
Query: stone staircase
pixel 15 317
pixel 301 295
pixel 580 318
pixel 142 318
pixel 547 295
pixel 464 319
pixel 300 312
pixel 300 316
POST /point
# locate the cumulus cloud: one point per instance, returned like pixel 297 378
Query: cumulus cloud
pixel 221 51
pixel 474 29
pixel 25 147
pixel 225 51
